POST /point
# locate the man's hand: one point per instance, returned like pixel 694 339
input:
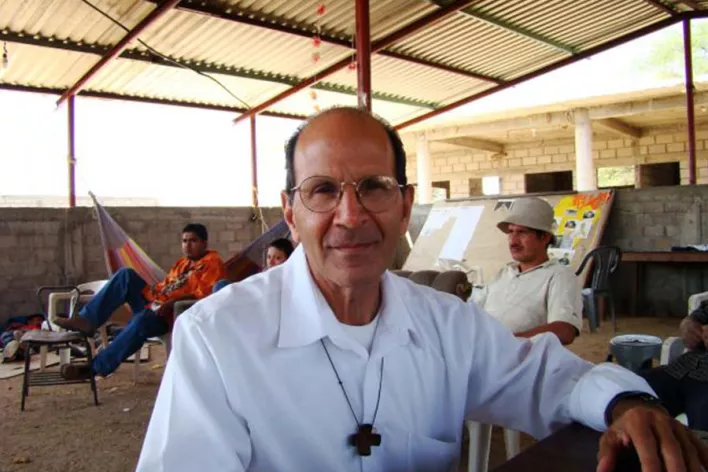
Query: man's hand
pixel 692 333
pixel 704 335
pixel 661 442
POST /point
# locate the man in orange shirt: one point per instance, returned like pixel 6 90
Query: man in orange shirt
pixel 192 277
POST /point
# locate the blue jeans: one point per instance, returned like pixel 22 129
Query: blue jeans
pixel 219 285
pixel 125 286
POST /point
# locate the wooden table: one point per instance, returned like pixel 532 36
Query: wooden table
pixel 657 257
pixel 573 448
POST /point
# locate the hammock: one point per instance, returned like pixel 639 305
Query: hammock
pixel 121 251
pixel 249 261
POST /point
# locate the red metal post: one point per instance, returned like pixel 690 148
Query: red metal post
pixel 398 35
pixel 151 18
pixel 254 163
pixel 690 113
pixel 363 55
pixel 71 158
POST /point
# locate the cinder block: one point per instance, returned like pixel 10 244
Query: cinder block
pixel 653 207
pixel 550 150
pixel 675 147
pixel 514 162
pixel 625 152
pixel 657 149
pixel 558 158
pixel 654 231
pixel 529 161
pixel 646 140
pixel 544 160
pixel 566 149
pixel 453 160
pixel 458 167
pixel 615 144
pixel 673 232
pixel 9 242
pixel 535 152
pixel 520 153
pixel 608 154
pixel 445 169
pixel 664 138
pixel 599 145
pixel 470 166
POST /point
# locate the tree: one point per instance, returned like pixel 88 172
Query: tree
pixel 615 176
pixel 664 58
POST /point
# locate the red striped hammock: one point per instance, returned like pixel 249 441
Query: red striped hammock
pixel 121 251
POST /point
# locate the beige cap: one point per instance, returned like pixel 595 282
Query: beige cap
pixel 531 212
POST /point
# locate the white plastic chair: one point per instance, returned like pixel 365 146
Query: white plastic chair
pixel 88 289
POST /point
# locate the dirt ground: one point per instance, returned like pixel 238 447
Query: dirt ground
pixel 61 430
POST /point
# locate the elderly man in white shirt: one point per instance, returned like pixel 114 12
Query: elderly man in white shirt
pixel 329 362
pixel 533 294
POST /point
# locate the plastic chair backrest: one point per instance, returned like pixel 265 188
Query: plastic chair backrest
pixel 91 287
pixel 605 261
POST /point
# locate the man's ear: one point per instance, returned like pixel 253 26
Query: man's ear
pixel 286 203
pixel 408 196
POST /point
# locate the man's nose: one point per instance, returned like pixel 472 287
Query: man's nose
pixel 349 212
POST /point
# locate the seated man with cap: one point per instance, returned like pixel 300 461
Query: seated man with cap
pixel 533 294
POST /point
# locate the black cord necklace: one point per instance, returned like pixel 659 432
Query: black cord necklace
pixel 365 436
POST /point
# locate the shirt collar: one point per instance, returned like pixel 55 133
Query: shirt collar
pixel 305 315
pixel 514 266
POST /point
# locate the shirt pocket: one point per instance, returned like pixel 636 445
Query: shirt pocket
pixel 426 454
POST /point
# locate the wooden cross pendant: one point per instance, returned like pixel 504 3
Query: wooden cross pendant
pixel 365 437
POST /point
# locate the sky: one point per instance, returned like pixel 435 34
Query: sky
pixel 188 157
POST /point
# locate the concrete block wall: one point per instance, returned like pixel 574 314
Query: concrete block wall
pixel 651 219
pixel 46 246
pixel 54 246
pixel 658 145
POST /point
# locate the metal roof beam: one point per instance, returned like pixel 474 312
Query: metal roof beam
pixel 551 67
pixel 116 49
pixel 376 46
pixel 133 98
pixel 277 24
pixel 145 56
pixel 691 4
pixel 661 5
pixel 519 30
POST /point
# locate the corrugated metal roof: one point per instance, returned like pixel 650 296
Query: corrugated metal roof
pixel 501 40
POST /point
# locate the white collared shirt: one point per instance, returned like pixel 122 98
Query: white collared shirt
pixel 525 300
pixel 248 386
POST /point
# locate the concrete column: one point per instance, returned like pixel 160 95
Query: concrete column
pixel 585 173
pixel 424 167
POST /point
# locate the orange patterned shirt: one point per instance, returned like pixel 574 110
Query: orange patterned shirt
pixel 188 279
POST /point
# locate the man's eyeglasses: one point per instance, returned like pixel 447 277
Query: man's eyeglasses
pixel 322 194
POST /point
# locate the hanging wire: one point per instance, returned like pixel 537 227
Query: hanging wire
pixel 5 57
pixel 163 57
